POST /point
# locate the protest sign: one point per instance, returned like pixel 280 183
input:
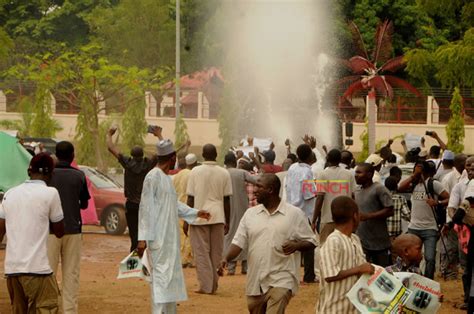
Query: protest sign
pixel 425 293
pixel 412 141
pixel 378 293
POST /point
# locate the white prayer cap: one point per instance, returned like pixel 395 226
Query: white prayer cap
pixel 191 159
pixel 164 148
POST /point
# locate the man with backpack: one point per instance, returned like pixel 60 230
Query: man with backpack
pixel 428 199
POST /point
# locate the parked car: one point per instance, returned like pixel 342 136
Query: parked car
pixel 109 200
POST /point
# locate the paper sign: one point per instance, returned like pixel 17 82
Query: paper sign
pixel 425 293
pixel 378 293
pixel 412 141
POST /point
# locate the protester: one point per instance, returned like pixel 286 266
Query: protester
pixel 301 192
pixel 347 159
pixel 447 165
pixel 376 162
pixel 273 258
pixel 332 182
pixel 456 197
pixel 400 209
pixel 238 205
pixel 72 187
pixel 282 176
pixel 342 259
pixel 158 231
pixel 136 167
pixel 407 247
pixel 245 164
pixel 424 220
pixel 209 189
pixel 376 205
pixel 180 183
pixel 452 178
pixel 27 214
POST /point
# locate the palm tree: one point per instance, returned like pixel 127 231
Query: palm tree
pixel 368 74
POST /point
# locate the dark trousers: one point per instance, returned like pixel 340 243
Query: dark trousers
pixel 308 262
pixel 132 221
pixel 379 257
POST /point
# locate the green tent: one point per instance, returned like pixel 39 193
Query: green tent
pixel 14 161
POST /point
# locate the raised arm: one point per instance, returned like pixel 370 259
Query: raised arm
pixel 110 144
pixel 439 140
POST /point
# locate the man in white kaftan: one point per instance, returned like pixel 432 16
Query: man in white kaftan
pixel 159 227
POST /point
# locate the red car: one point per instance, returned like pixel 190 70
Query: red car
pixel 109 200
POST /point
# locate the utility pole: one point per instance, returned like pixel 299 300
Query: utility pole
pixel 178 62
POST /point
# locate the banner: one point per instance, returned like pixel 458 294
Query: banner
pixel 412 141
pixel 425 293
pixel 378 293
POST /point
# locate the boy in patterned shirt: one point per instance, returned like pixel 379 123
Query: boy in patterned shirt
pixel 342 259
pixel 400 208
pixel 407 247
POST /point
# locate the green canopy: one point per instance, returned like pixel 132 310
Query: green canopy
pixel 14 162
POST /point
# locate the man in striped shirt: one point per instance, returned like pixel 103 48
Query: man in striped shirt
pixel 342 259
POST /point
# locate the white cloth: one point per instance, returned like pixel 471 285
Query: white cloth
pixel 164 308
pixel 209 184
pixel 264 234
pixel 27 210
pixel 457 196
pixel 451 179
pixel 158 224
pixel 377 178
pixel 333 182
pixel 300 188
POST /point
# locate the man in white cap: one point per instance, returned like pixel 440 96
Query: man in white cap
pixel 376 162
pixel 180 182
pixel 158 230
pixel 447 165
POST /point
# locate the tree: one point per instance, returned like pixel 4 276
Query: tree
pixel 455 126
pixel 368 72
pixel 136 33
pixel 87 81
pixel 180 132
pixel 6 44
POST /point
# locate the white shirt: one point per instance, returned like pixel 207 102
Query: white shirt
pixel 28 209
pixel 263 234
pixel 300 188
pixel 456 196
pixel 451 179
pixel 209 184
pixel 333 182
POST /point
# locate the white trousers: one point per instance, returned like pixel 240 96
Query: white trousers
pixel 163 308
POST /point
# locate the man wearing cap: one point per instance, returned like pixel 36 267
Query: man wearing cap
pixel 447 165
pixel 376 162
pixel 158 231
pixel 27 214
pixel 180 182
pixel 136 167
pixel 209 189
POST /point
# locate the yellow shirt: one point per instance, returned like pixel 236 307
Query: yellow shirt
pixel 180 182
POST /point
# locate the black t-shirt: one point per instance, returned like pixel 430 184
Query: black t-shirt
pixel 72 187
pixel 135 172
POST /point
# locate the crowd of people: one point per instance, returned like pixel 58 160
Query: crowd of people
pixel 318 209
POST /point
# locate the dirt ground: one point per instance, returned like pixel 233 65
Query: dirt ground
pixel 101 292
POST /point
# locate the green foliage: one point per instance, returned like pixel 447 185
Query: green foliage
pixel 11 124
pixel 364 137
pixel 5 44
pixel 42 123
pixel 455 62
pixel 134 124
pixel 181 135
pixel 455 126
pixel 136 33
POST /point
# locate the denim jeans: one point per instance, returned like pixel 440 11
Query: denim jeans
pixel 429 238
